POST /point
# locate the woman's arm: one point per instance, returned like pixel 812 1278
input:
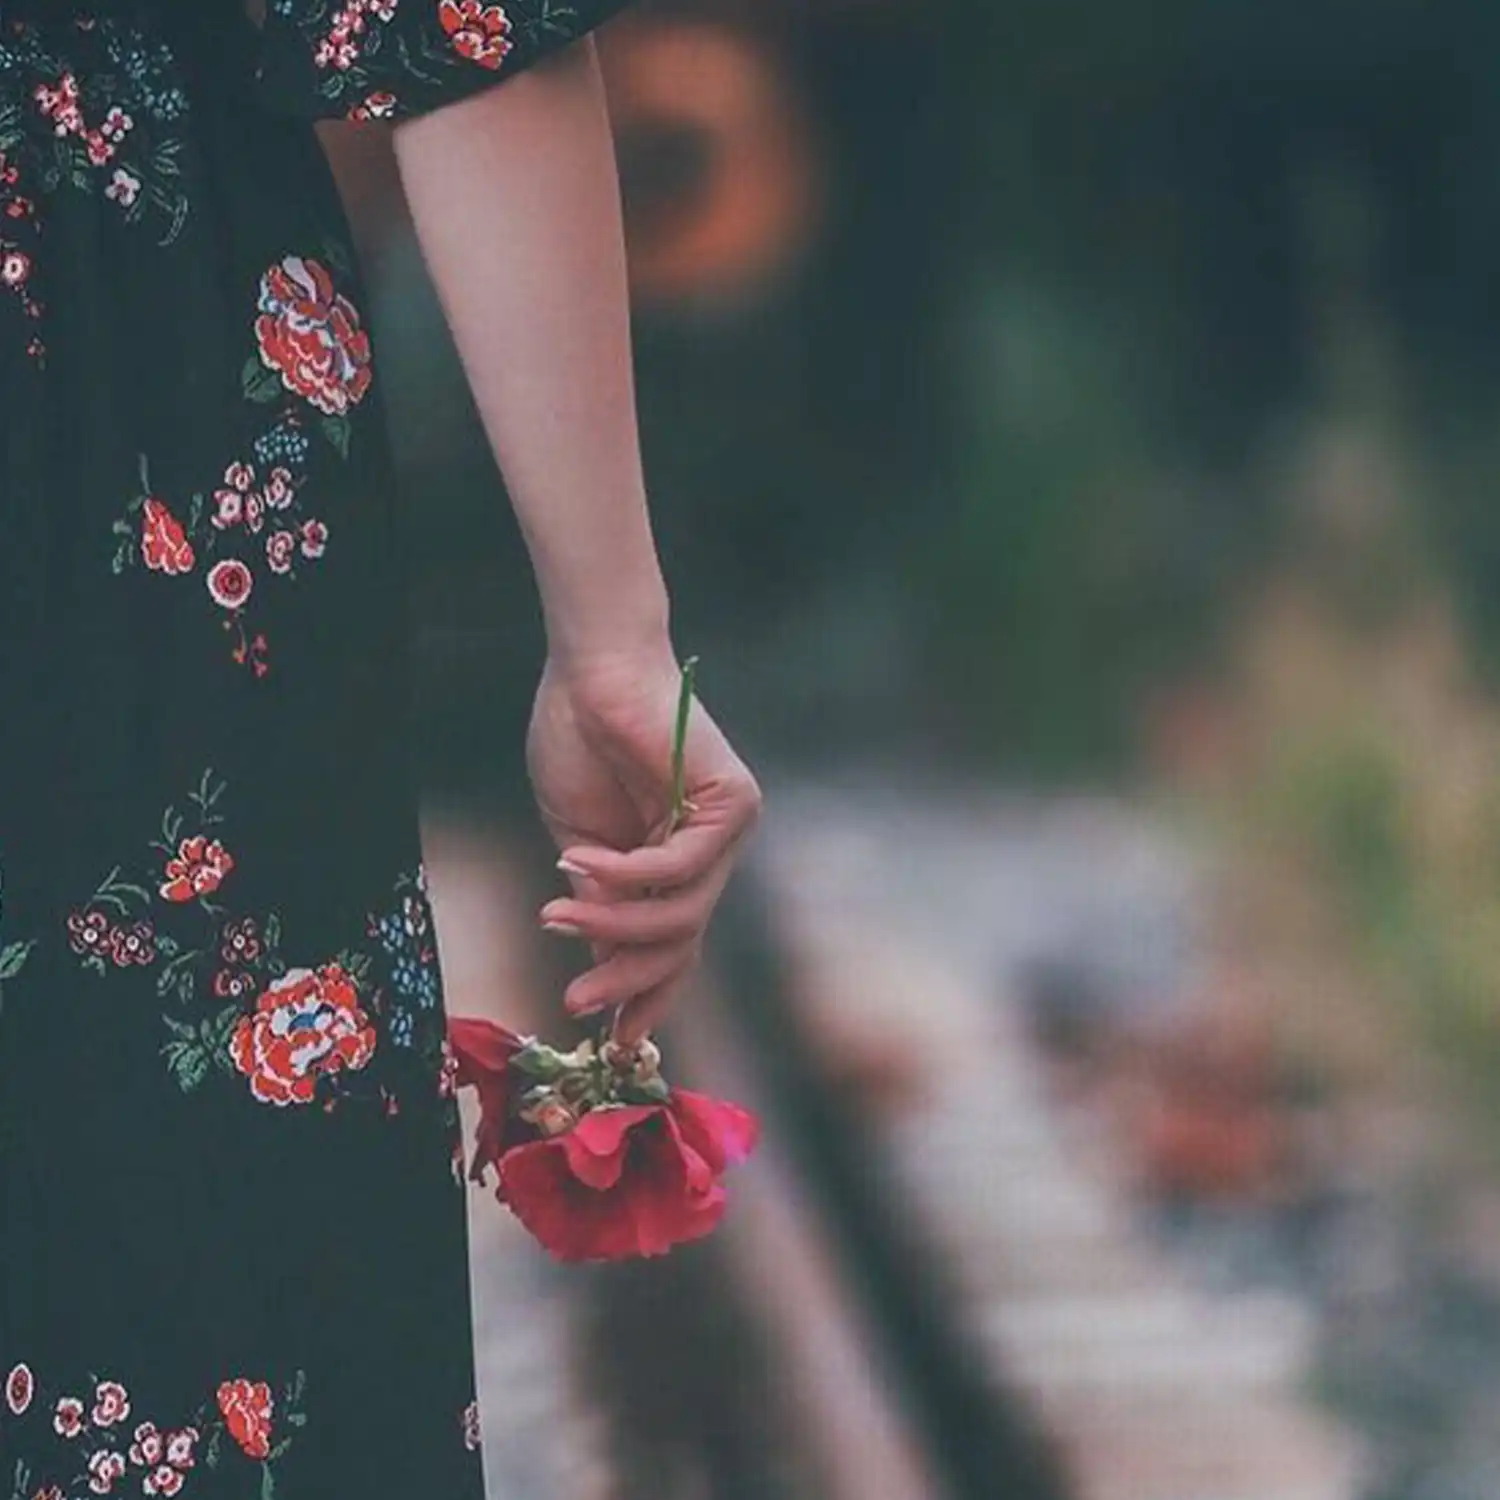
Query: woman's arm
pixel 515 197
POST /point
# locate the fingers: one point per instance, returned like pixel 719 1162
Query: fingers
pixel 628 974
pixel 639 1017
pixel 676 917
pixel 720 820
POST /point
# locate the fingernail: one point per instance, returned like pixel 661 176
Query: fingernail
pixel 568 867
pixel 562 929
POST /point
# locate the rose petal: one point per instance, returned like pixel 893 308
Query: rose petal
pixel 722 1133
pixel 597 1145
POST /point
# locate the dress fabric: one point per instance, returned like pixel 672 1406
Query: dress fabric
pixel 232 1219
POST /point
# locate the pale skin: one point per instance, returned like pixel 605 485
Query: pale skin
pixel 515 198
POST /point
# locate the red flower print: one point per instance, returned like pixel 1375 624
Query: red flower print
pixel 281 548
pixel 163 1480
pixel 104 1468
pixel 240 942
pixel 306 1025
pixel 164 544
pixel 230 583
pixel 135 944
pixel 67 1417
pixel 199 869
pixel 181 1447
pixel 20 1387
pixel 247 1409
pixel 314 538
pixel 111 1404
pixel 149 1447
pixel 479 32
pixel 311 336
pixel 377 106
pixel 470 1420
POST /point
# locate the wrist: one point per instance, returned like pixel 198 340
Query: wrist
pixel 610 636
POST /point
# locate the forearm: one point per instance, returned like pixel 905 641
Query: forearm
pixel 515 198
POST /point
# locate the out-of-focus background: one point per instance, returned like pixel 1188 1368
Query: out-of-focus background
pixel 1074 431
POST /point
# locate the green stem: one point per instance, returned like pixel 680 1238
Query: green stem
pixel 679 744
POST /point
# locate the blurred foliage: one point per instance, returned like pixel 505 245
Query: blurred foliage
pixel 986 464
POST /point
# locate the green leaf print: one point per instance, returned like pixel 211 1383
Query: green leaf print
pixel 260 384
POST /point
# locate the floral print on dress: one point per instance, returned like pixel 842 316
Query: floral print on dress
pixel 19 236
pixel 252 524
pixel 310 342
pixel 384 59
pixel 364 1023
pixel 94 106
pixel 88 1439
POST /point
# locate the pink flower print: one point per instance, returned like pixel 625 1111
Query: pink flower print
pixel 280 489
pixel 20 1387
pixel 15 268
pixel 149 1447
pixel 230 583
pixel 240 942
pixel 229 509
pixel 181 1446
pixel 104 1468
pixel 132 945
pixel 100 152
pixel 88 932
pixel 116 125
pixel 239 476
pixel 231 986
pixel 124 188
pixel 314 538
pixel 281 548
pixel 67 1417
pixel 471 1426
pixel 111 1402
pixel 255 512
pixel 163 1480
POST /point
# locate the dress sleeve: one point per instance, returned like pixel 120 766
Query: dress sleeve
pixel 391 59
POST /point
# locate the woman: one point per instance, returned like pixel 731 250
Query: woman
pixel 232 1255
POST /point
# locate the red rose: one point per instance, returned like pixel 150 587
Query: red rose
pixel 479 32
pixel 198 870
pixel 625 1179
pixel 307 1024
pixel 164 544
pixel 311 336
pixel 629 1180
pixel 247 1409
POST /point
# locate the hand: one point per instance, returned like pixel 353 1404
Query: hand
pixel 600 753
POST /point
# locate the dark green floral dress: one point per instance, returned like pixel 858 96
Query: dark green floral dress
pixel 232 1249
